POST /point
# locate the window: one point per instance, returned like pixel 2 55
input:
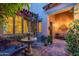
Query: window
pixel 18 24
pixel 25 26
pixel 9 26
pixel 40 27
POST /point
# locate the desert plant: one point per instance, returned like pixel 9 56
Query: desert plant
pixel 72 37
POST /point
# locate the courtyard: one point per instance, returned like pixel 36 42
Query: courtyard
pixel 39 29
pixel 58 48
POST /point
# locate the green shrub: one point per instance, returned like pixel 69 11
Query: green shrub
pixel 49 39
pixel 72 37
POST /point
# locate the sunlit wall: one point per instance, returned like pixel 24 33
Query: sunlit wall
pixel 61 21
pixel 76 11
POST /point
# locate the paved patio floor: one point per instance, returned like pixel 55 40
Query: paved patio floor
pixel 58 48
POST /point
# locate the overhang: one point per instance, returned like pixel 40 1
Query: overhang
pixel 59 8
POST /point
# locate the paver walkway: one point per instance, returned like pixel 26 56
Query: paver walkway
pixel 58 48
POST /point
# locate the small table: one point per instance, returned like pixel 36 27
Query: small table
pixel 28 40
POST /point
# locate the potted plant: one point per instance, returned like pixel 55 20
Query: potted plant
pixel 49 40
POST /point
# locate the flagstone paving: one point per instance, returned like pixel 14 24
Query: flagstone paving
pixel 58 48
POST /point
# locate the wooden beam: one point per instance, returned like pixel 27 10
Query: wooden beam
pixel 14 25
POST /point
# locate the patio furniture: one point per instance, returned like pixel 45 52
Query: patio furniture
pixel 60 36
pixel 28 40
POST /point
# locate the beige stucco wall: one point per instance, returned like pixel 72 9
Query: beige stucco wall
pixel 51 18
pixel 76 11
pixel 59 20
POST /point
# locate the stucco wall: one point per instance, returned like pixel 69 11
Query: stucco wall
pixel 37 8
pixel 76 11
pixel 59 20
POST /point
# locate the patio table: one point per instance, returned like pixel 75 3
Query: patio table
pixel 29 39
